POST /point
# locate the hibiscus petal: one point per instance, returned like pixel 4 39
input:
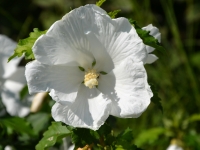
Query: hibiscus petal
pixel 14 106
pixel 117 35
pixel 62 81
pixel 89 110
pixel 151 58
pixel 10 98
pixel 155 33
pixel 18 76
pixel 6 50
pixel 130 92
pixel 103 60
pixel 69 47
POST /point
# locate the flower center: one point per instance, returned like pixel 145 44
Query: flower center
pixel 90 78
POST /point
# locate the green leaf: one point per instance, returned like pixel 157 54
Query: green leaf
pixel 23 92
pixel 149 136
pixel 113 14
pixel 126 135
pixel 100 2
pixel 55 132
pixel 156 99
pixel 194 117
pixel 24 46
pixel 146 37
pixel 124 141
pixel 39 121
pixel 19 125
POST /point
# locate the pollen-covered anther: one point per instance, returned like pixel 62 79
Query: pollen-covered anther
pixel 90 78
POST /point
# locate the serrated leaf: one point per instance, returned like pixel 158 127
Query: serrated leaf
pixel 156 99
pixel 95 134
pixel 146 37
pixel 23 92
pixel 124 140
pixel 113 14
pixel 19 125
pixel 55 131
pixel 100 2
pixel 24 46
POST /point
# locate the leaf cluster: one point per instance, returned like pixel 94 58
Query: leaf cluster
pixel 146 37
pixel 103 139
pixel 54 133
pixel 24 46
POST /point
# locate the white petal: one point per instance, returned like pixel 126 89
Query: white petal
pixel 117 36
pixel 10 94
pixel 10 98
pixel 174 147
pixel 103 60
pixel 151 58
pixel 90 109
pixel 127 88
pixel 16 81
pixel 62 81
pixel 155 33
pixel 64 43
pixel 6 50
pixel 18 76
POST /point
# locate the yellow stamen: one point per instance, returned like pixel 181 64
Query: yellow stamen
pixel 90 79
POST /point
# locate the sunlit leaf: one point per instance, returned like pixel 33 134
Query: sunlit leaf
pixel 100 2
pixel 55 132
pixel 24 46
pixel 113 14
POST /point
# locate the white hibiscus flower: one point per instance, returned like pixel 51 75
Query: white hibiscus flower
pixel 156 34
pixel 92 66
pixel 174 147
pixel 12 79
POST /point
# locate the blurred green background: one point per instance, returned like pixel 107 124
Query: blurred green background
pixel 176 74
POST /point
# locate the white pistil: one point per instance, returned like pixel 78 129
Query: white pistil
pixel 90 78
